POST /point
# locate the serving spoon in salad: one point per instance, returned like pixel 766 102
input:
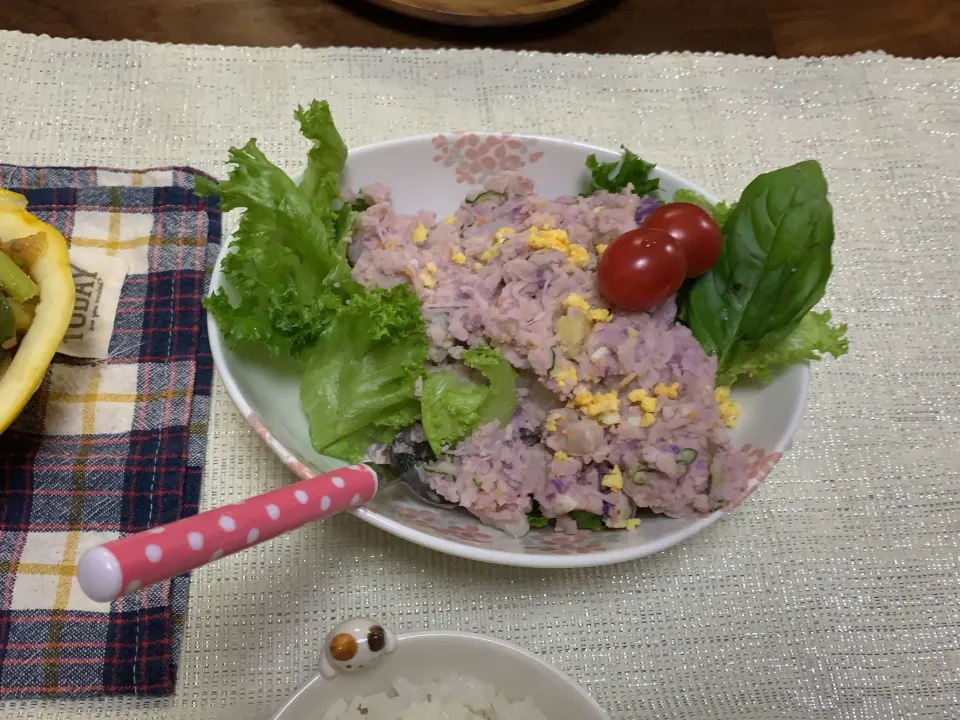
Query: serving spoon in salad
pixel 126 565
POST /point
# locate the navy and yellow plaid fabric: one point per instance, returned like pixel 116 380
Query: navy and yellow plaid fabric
pixel 108 447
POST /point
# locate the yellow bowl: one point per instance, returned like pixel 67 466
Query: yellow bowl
pixel 48 263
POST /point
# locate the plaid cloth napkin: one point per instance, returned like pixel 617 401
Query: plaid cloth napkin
pixel 108 446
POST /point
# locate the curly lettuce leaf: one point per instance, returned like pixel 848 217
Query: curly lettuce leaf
pixel 813 339
pixel 287 267
pixel 359 382
pixel 719 212
pixel 615 176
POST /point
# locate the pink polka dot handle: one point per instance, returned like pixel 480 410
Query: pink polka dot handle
pixel 135 561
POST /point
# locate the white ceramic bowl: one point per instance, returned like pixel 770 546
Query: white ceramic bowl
pixel 433 655
pixel 436 172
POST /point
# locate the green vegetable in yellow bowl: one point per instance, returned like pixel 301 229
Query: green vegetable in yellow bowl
pixel 36 302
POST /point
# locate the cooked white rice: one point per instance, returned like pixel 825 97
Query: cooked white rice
pixel 454 698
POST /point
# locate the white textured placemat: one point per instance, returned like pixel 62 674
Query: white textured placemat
pixel 830 594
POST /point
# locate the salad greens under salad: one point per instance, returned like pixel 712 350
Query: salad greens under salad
pixel 363 352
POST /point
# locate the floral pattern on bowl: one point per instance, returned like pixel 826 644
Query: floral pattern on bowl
pixel 761 466
pixel 475 158
pixel 770 414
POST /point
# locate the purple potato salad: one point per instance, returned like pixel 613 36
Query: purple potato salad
pixel 486 337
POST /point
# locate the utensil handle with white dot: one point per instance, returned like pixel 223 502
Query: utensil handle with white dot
pixel 124 566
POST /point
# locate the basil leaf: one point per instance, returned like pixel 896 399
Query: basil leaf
pixel 774 265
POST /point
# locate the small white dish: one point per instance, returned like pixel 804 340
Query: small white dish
pixel 434 655
pixel 444 169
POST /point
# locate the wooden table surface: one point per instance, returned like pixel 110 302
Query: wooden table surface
pixel 918 28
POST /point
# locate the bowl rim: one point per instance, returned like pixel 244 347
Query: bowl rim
pixel 505 646
pixel 493 556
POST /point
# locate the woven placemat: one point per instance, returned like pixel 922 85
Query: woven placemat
pixel 830 594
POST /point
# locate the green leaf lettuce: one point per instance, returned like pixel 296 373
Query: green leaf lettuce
pixel 454 405
pixel 719 212
pixel 813 339
pixel 359 383
pixel 287 266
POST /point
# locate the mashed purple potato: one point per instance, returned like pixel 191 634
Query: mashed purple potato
pixel 617 411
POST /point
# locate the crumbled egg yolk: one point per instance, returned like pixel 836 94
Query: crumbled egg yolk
pixel 566 376
pixel 640 397
pixel 668 391
pixel 500 236
pixel 427 280
pixel 544 238
pixel 432 268
pixel 578 256
pixel 613 479
pixel 603 403
pixel 548 239
pixel 490 253
pixel 582 397
pixel 459 258
pixel 450 220
pixel 551 421
pixel 560 455
pixel 633 523
pixel 420 234
pixel 729 409
pixel 633 332
pixel 477 266
pixel 647 420
pixel 600 249
pixel 577 301
pixel 597 315
pixel 730 413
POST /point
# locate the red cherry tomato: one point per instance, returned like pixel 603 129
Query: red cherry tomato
pixel 694 230
pixel 641 269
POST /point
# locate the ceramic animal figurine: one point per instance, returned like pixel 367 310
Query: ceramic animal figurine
pixel 354 644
